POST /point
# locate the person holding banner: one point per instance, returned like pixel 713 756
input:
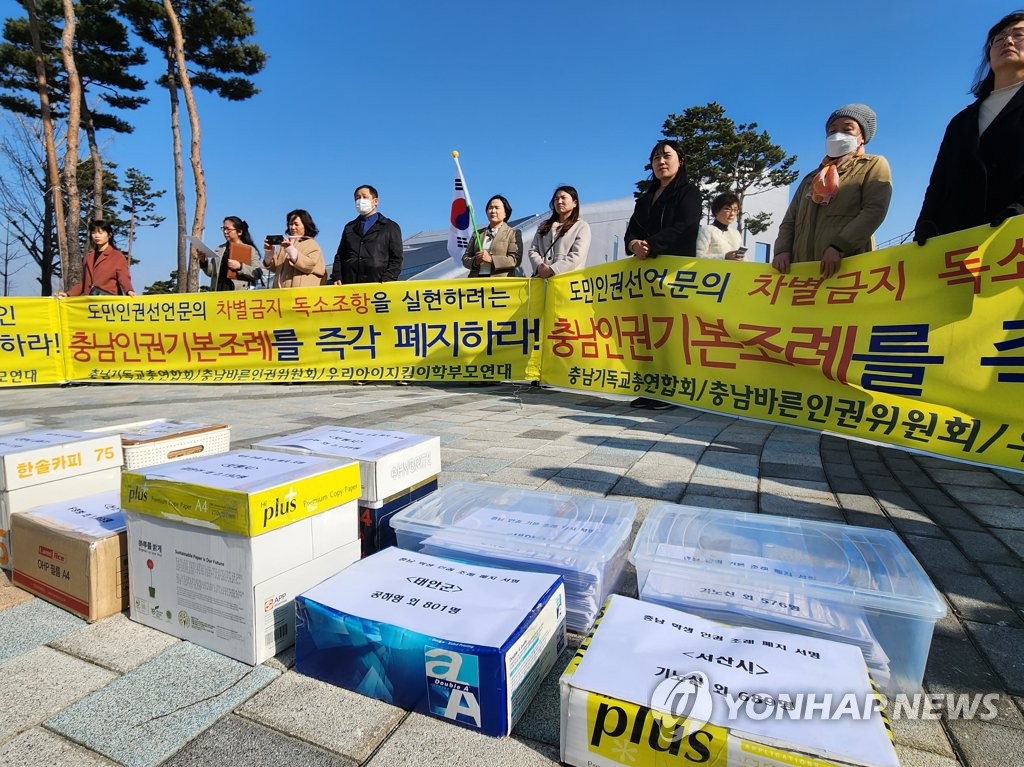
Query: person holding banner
pixel 978 176
pixel 298 261
pixel 720 239
pixel 235 261
pixel 561 243
pixel 496 250
pixel 838 206
pixel 104 267
pixel 665 220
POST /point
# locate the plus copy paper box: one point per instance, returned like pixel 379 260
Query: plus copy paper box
pixel 653 686
pixel 246 492
pixel 465 643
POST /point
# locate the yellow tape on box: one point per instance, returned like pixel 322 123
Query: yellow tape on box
pixel 247 492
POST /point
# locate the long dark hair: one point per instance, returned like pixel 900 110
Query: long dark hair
pixel 242 228
pixel 305 218
pixel 574 216
pixel 653 182
pixel 98 224
pixel 984 78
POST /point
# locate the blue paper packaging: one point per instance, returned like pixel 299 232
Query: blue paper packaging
pixel 465 643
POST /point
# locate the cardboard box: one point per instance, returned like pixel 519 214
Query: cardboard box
pixel 11 425
pixel 248 492
pixel 13 502
pixel 468 644
pixel 231 593
pixel 36 457
pixel 147 443
pixel 655 686
pixel 74 554
pixel 391 462
pixel 375 516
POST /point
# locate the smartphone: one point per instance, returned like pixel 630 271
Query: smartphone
pixel 275 239
pixel 740 251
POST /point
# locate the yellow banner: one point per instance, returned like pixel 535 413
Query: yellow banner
pixel 458 330
pixel 30 351
pixel 910 346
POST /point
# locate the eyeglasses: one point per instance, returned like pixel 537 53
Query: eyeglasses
pixel 1014 35
pixel 729 210
pixel 228 229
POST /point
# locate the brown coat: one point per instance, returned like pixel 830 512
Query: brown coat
pixel 848 222
pixel 107 271
pixel 307 271
pixel 506 252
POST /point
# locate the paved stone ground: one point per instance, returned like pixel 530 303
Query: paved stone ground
pixel 115 692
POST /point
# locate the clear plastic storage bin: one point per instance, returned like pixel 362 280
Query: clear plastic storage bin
pixel 856 585
pixel 583 539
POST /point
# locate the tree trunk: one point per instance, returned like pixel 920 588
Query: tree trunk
pixel 194 154
pixel 74 213
pixel 97 160
pixel 179 171
pixel 52 171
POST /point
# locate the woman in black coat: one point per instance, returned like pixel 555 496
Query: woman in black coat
pixel 979 172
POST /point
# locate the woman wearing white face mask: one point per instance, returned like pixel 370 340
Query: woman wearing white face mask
pixel 838 207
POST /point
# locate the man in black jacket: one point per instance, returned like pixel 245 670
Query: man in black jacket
pixel 371 245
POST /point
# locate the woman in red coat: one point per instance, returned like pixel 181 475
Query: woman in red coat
pixel 104 267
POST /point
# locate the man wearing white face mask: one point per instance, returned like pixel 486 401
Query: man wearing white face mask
pixel 371 244
pixel 838 207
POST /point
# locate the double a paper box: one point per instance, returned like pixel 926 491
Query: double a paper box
pixel 232 593
pixel 465 643
pixel 849 584
pixel 161 440
pixel 74 554
pixel 655 686
pixel 248 492
pixel 390 462
pixel 13 502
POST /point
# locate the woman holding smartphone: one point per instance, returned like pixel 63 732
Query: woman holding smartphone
pixel 720 239
pixel 298 261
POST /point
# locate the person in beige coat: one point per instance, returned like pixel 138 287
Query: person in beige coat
pixel 298 262
pixel 501 246
pixel 838 207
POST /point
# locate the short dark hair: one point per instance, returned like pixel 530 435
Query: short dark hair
pixel 106 227
pixel 505 204
pixel 370 189
pixel 724 200
pixel 305 218
pixel 984 78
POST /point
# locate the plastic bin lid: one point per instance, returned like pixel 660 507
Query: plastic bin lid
pixel 554 527
pixel 858 565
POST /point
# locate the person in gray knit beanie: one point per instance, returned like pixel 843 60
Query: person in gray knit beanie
pixel 862 113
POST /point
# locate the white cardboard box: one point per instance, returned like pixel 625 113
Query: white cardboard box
pixel 465 643
pixel 656 686
pixel 9 425
pixel 25 498
pixel 74 555
pixel 35 457
pixel 232 593
pixel 160 440
pixel 390 461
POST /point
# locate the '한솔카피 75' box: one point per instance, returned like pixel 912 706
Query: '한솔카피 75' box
pixel 465 643
pixel 248 492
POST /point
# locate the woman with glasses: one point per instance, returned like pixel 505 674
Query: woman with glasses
pixel 236 262
pixel 839 205
pixel 978 176
pixel 720 239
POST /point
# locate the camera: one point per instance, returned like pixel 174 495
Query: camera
pixel 275 239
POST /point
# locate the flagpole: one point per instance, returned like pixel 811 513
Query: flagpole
pixel 469 200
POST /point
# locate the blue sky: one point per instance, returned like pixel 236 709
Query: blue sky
pixel 536 94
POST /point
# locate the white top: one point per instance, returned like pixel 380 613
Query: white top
pixel 712 242
pixel 994 104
